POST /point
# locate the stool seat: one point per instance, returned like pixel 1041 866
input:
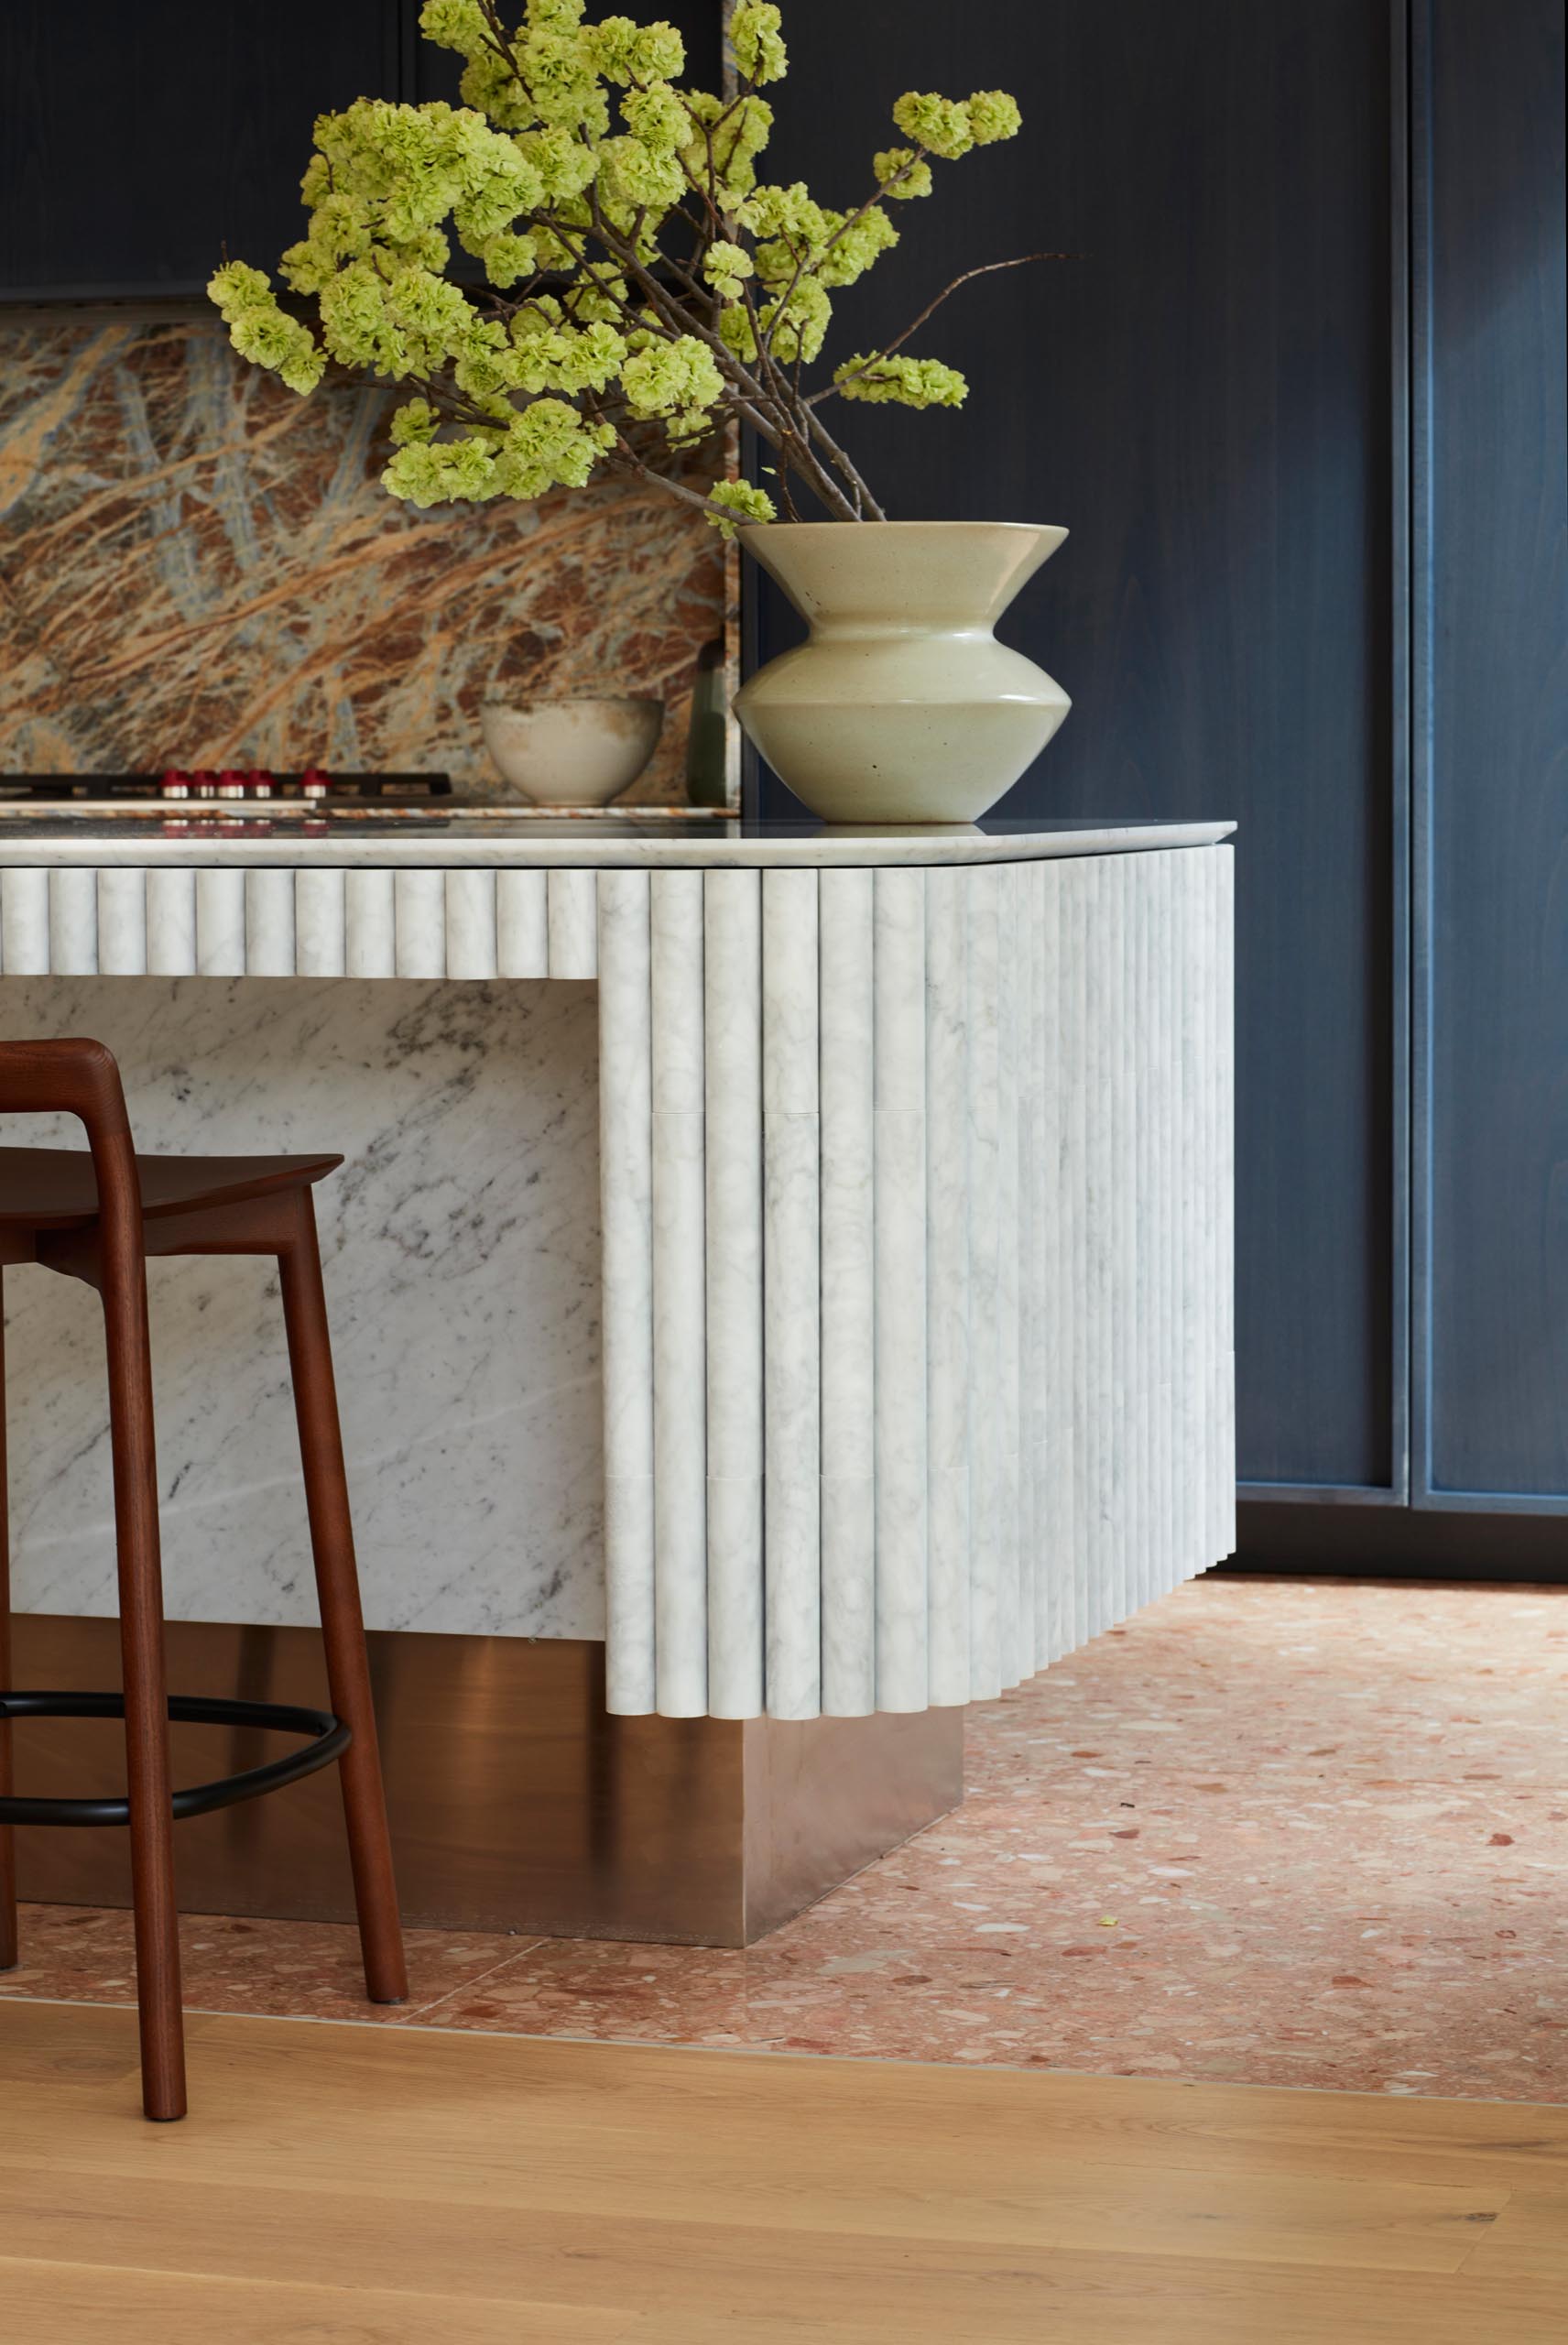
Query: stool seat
pixel 54 1188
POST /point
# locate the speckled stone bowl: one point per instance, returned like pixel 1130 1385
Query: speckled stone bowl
pixel 571 752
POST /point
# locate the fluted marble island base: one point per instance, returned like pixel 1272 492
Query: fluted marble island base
pixel 828 1307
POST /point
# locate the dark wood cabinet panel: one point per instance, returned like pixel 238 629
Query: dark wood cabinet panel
pixel 136 143
pixel 1204 398
pixel 1492 797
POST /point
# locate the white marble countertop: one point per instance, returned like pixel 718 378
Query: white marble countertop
pixel 506 842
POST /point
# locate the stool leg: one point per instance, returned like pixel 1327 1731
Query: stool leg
pixel 10 1952
pixel 343 1622
pixel 147 1690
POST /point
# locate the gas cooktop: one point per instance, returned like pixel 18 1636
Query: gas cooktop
pixel 203 803
pixel 314 788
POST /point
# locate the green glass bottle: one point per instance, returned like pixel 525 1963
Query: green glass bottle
pixel 707 742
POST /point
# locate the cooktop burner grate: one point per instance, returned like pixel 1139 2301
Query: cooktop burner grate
pixel 231 786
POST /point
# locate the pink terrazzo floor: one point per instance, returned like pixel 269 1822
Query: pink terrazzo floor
pixel 1270 1832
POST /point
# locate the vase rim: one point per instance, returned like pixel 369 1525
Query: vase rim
pixel 799 528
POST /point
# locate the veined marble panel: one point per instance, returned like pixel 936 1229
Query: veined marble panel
pixel 471 1399
pixel 203 569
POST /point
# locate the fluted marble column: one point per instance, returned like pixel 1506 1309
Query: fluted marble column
pixel 965 1245
pixel 124 921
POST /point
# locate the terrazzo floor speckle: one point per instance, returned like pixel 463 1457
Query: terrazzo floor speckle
pixel 1270 1832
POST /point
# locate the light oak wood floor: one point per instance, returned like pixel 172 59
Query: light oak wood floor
pixel 355 2186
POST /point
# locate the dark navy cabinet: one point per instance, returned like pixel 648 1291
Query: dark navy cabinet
pixel 1301 399
pixel 138 142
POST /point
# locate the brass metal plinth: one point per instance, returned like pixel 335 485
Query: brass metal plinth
pixel 517 1802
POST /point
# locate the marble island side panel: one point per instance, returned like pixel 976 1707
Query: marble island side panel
pixel 468 1114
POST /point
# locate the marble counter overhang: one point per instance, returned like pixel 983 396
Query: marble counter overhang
pixel 601 844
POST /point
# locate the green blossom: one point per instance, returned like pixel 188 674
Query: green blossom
pixel 738 138
pixel 737 332
pixel 507 257
pixel 797 323
pixel 901 172
pixel 790 214
pixel 626 52
pixel 548 445
pixel 558 71
pixel 563 166
pixel 634 178
pixel 906 382
pixel 442 472
pixel 455 24
pixel 657 116
pixel 725 266
pixel 262 331
pixel 554 357
pixel 600 299
pixel 490 85
pixel 940 124
pixel 664 377
pixel 851 249
pixel 992 115
pixel 413 423
pixel 757 41
pixel 743 500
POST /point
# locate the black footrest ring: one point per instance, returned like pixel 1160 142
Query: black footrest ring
pixel 328 1737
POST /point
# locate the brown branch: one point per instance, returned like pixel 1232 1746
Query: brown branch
pixel 625 457
pixel 988 268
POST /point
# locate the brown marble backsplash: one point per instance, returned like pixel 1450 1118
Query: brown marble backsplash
pixel 199 568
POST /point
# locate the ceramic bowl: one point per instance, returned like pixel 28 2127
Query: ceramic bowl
pixel 571 752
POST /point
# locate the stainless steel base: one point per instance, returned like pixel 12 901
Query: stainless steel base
pixel 517 1802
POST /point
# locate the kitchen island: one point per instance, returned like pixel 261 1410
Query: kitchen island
pixel 782 1292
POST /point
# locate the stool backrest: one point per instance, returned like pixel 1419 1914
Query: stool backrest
pixel 76 1077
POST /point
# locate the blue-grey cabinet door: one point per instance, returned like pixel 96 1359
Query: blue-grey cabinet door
pixel 1491 772
pixel 1205 395
pixel 136 142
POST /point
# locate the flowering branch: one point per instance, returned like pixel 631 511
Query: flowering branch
pixel 638 275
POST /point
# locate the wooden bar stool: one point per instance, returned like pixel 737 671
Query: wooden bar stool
pixel 97 1215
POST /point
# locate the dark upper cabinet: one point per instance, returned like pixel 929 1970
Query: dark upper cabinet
pixel 136 143
pixel 139 142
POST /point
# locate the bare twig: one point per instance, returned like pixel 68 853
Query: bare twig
pixel 988 268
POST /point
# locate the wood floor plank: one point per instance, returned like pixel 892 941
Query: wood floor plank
pixel 673 2268
pixel 1121 2122
pixel 517 2152
pixel 1201 2305
pixel 1528 2242
pixel 69 2304
pixel 342 2183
